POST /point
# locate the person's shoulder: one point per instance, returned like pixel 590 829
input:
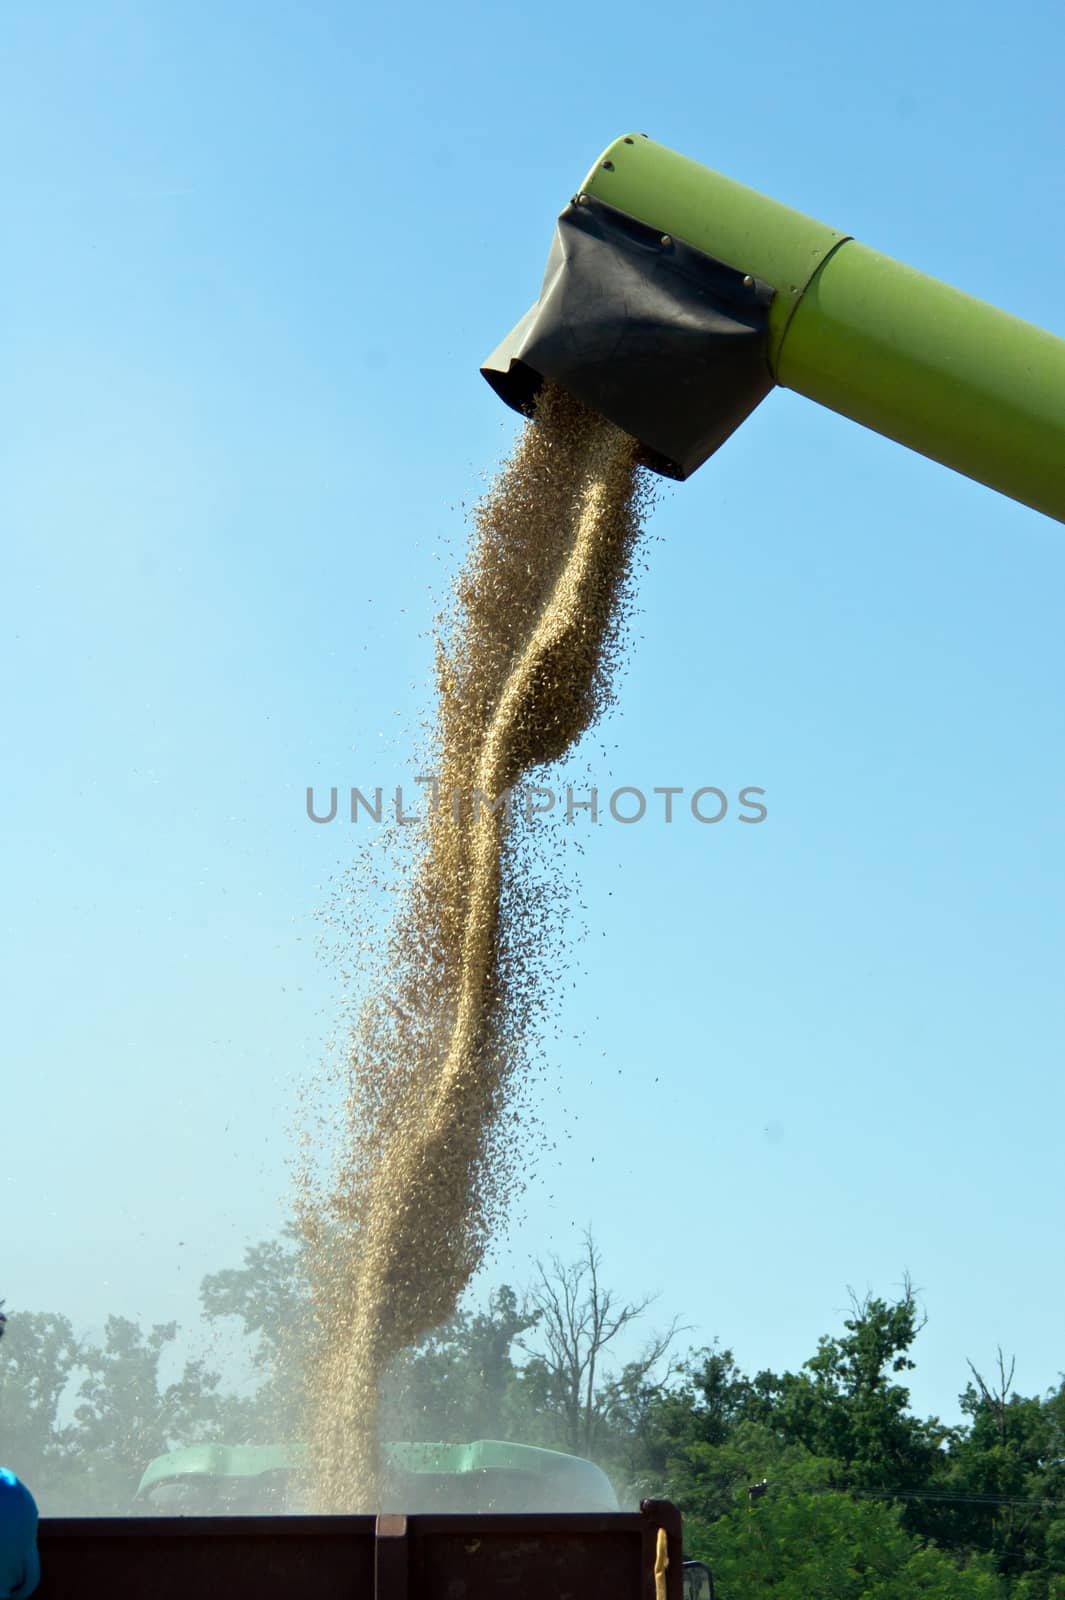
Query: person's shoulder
pixel 20 1567
pixel 17 1505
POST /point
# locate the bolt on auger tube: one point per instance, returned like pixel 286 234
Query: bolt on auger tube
pixel 674 299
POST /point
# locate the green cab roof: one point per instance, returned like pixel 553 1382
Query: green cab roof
pixel 573 1477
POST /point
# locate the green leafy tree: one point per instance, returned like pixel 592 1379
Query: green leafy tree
pixel 269 1297
pixel 1003 1483
pixel 38 1357
pixel 125 1416
pixel 461 1382
pixel 833 1547
pixel 846 1405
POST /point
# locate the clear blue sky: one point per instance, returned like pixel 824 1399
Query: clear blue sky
pixel 254 257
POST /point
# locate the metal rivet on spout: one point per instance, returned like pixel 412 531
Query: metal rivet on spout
pixel 666 239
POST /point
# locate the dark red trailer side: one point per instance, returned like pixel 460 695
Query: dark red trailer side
pixel 616 1555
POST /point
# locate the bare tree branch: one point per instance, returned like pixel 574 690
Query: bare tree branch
pixel 996 1399
pixel 578 1318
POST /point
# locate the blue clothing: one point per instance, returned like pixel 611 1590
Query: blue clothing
pixel 20 1571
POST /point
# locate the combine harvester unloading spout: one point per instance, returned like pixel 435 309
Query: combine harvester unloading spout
pixel 675 299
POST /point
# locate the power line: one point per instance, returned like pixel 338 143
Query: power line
pixel 948 1496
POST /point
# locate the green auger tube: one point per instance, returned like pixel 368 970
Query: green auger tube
pixel 664 273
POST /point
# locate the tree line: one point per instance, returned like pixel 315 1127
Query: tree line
pixel 821 1482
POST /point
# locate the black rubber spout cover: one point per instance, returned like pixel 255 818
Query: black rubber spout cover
pixel 656 336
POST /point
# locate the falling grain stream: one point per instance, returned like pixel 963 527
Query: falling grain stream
pixel 432 1141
